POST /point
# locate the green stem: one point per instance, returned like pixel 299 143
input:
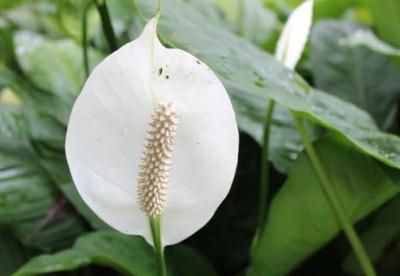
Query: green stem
pixel 265 170
pixel 84 39
pixel 106 24
pixel 334 201
pixel 155 227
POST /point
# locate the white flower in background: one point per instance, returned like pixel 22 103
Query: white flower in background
pixel 153 133
pixel 294 36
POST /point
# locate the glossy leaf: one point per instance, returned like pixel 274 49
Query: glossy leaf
pixel 301 221
pixel 251 76
pixel 129 255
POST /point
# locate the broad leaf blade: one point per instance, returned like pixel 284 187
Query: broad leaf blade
pixel 251 76
pixel 129 255
pixel 300 219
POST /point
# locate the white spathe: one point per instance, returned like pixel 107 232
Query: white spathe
pixel 107 130
pixel 294 36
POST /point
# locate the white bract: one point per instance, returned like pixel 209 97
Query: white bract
pixel 148 114
pixel 294 36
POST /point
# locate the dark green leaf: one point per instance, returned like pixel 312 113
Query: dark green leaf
pixel 66 260
pixel 36 128
pixel 301 221
pixel 129 255
pixel 183 260
pixel 12 254
pixel 354 73
pixel 384 229
pixel 30 206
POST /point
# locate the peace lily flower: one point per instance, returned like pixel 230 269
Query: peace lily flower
pixel 295 34
pixel 153 135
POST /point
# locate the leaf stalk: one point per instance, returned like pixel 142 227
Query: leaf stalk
pixel 334 201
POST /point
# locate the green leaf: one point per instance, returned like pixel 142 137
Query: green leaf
pixel 66 260
pixel 30 207
pixel 368 39
pixel 184 260
pixel 36 128
pixel 242 67
pixel 323 8
pixel 5 5
pixel 251 76
pixel 355 74
pixel 301 221
pixel 129 255
pixel 54 66
pixel 256 22
pixel 12 254
pixel 384 229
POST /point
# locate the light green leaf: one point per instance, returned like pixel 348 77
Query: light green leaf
pixel 256 22
pixel 323 8
pixel 368 39
pixel 301 221
pixel 355 74
pixel 54 66
pixel 386 14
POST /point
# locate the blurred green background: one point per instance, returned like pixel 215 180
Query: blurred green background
pixel 47 49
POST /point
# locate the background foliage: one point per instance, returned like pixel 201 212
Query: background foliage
pixel 347 89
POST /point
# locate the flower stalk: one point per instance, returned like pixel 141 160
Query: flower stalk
pixel 155 226
pixel 106 24
pixel 85 47
pixel 265 168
